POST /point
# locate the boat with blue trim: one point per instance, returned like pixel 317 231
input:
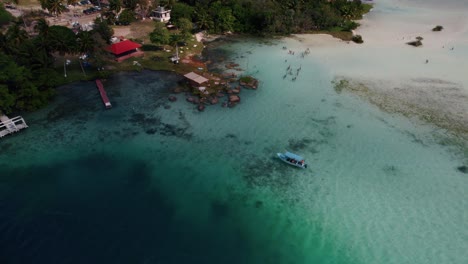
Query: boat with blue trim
pixel 292 159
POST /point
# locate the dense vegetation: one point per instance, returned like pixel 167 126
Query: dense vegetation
pixel 267 17
pixel 28 72
pixel 32 50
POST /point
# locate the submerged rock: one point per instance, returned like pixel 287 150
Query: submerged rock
pixel 236 90
pixel 214 100
pixel 201 107
pixel 234 99
pixel 463 169
pixel 193 100
pixel 249 82
pixel 172 98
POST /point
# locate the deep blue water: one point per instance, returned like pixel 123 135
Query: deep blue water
pixel 102 209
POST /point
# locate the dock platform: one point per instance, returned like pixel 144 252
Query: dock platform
pixel 103 93
pixel 9 126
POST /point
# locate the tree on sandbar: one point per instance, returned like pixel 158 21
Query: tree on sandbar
pixel 438 28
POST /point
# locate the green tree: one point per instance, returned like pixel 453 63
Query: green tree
pixel 103 28
pixel 160 34
pixel 85 42
pixel 130 4
pixel 62 39
pixel 39 55
pixel 203 19
pixel 20 87
pixel 15 35
pixel 127 16
pixel 5 16
pixel 7 100
pixel 55 7
pixel 100 54
pixel 42 27
pixel 185 27
pixel 181 10
pixel 15 38
pixel 115 5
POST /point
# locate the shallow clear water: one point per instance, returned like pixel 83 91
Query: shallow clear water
pixel 151 181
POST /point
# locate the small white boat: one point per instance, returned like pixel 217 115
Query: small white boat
pixel 292 159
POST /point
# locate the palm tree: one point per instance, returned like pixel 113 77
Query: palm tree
pixel 55 7
pixel 203 19
pixel 62 39
pixel 85 42
pixel 15 35
pixel 3 41
pixel 115 5
pixel 42 27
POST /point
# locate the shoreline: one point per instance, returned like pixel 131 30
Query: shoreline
pixel 427 82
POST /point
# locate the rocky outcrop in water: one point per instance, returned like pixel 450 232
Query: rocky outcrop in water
pixel 249 82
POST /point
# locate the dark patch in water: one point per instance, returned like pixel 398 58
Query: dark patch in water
pixel 231 136
pixel 268 172
pixel 172 130
pixel 140 119
pixel 258 204
pixel 219 209
pixel 390 170
pixel 151 131
pixel 299 144
pixel 100 209
pixel 5 146
pixel 153 125
pixel 463 169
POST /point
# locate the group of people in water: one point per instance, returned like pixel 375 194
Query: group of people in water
pixel 289 70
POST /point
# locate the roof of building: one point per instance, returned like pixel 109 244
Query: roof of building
pixel 161 9
pixel 195 77
pixel 123 46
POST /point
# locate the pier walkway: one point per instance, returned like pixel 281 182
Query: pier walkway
pixel 103 93
pixel 8 126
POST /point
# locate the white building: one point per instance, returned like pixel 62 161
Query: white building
pixel 161 14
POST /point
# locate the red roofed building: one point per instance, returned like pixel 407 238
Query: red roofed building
pixel 125 49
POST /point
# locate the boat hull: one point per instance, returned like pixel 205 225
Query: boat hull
pixel 283 157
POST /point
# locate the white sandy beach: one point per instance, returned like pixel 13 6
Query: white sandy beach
pixel 431 77
pixel 384 52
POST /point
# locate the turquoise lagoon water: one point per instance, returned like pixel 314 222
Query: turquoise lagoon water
pixel 151 181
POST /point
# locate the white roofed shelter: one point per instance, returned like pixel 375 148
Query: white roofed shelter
pixel 195 79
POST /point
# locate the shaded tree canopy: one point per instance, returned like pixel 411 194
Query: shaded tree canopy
pixel 270 16
pixel 160 34
pixel 27 71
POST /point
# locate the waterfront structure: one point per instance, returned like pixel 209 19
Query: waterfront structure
pixel 103 94
pixel 8 126
pixel 195 79
pixel 125 49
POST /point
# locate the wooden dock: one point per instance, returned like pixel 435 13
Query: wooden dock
pixel 103 93
pixel 9 126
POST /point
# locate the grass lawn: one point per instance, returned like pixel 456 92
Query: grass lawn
pixel 140 30
pixel 27 3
